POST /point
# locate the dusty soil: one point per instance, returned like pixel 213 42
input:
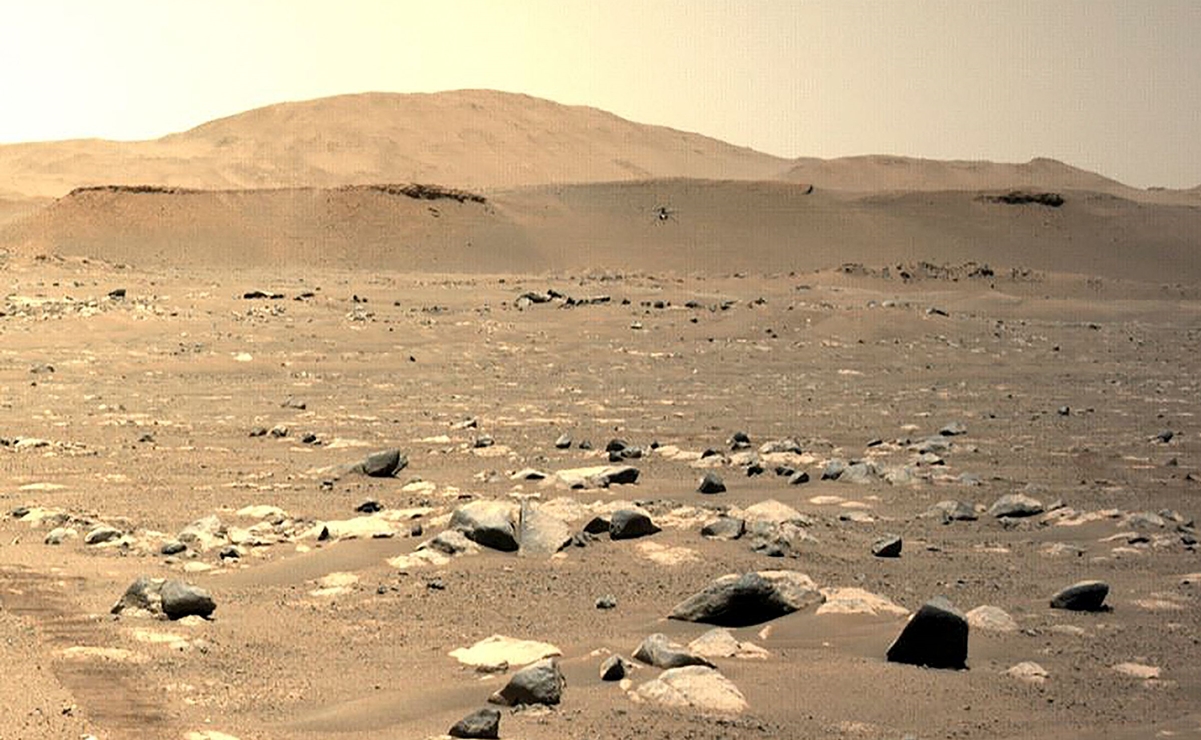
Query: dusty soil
pixel 140 410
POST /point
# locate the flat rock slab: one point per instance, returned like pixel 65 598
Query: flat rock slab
pixel 482 723
pixel 935 637
pixel 858 601
pixel 719 642
pixel 693 687
pixel 1028 671
pixel 599 476
pixel 751 598
pixel 1015 505
pixel 500 650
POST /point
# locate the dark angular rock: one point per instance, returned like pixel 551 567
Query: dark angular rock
pixel 616 445
pixel 608 601
pixel 661 652
pixel 740 441
pixel 614 668
pixel 538 683
pixel 954 429
pixel 833 470
pixel 384 464
pixel 1085 596
pixel 797 479
pixel 754 469
pixel 627 524
pixel 180 600
pixel 936 637
pixel 748 599
pixel 369 506
pixel 725 528
pixel 597 525
pixel 172 547
pixel 482 723
pixel 711 483
pixel 887 547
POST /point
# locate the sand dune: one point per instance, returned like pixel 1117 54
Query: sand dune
pixel 714 227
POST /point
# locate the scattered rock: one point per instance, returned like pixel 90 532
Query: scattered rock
pixel 694 687
pixel 711 483
pixel 1085 596
pixel 369 506
pixel 101 535
pixel 540 683
pixel 1028 671
pixel 991 619
pixel 936 637
pixel 384 464
pixel 1015 505
pixel 541 533
pixel 797 479
pixel 725 528
pixel 488 523
pixel 563 442
pixel 172 599
pixel 752 598
pixel 954 429
pixel 719 642
pixel 858 601
pixel 59 535
pixel 608 601
pixel 626 524
pixel 952 511
pixel 660 652
pixel 482 723
pixel 614 668
pixel 887 547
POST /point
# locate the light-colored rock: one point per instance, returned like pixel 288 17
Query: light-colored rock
pixel 991 619
pixel 693 687
pixel 1028 671
pixel 500 650
pixel 771 512
pixel 853 600
pixel 721 643
pixel 1137 670
pixel 419 559
pixel 261 511
pixel 666 554
pixel 106 654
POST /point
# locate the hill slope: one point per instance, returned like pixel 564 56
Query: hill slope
pixel 467 138
pixel 717 227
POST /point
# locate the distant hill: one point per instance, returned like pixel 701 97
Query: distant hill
pixel 478 139
pixel 467 138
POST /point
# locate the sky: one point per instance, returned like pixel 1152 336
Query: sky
pixel 1108 86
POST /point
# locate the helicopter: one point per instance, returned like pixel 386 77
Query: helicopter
pixel 664 213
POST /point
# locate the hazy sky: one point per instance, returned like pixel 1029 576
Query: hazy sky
pixel 1109 86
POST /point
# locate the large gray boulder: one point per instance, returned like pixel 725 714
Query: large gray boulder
pixel 751 598
pixel 157 597
pixel 1015 505
pixel 488 523
pixel 538 683
pixel 541 534
pixel 936 637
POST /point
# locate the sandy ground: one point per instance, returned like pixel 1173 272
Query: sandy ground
pixel 136 412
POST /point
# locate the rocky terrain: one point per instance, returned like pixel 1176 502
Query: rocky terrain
pixel 635 505
pixel 616 431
